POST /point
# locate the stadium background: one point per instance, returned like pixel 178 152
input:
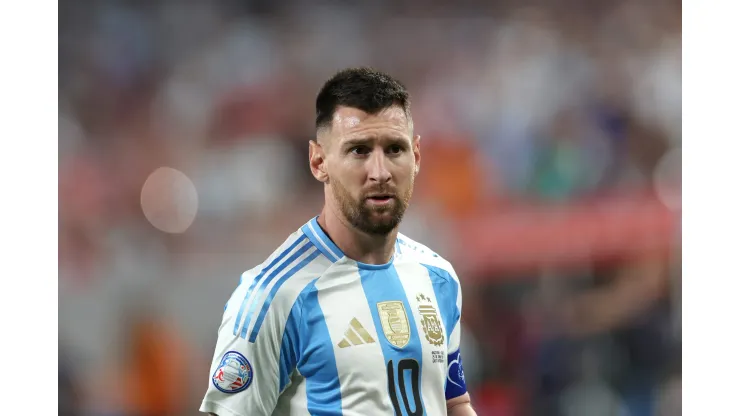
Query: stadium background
pixel 550 178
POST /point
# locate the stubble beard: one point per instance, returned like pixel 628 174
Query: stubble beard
pixel 373 220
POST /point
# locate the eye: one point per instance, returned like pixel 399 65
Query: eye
pixel 360 150
pixel 395 149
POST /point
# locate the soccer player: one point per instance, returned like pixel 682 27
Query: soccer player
pixel 347 316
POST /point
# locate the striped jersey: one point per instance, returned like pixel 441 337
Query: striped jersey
pixel 312 332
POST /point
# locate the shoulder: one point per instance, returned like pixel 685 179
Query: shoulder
pixel 438 266
pixel 281 278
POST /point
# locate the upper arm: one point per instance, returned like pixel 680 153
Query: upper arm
pixel 449 295
pixel 248 373
pixel 460 406
pixel 455 386
pixel 453 343
pixel 455 375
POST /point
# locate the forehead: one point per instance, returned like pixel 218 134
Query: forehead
pixel 349 122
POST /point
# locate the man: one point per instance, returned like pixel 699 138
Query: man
pixel 347 317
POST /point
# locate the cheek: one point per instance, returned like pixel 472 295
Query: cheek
pixel 350 180
pixel 351 172
pixel 404 173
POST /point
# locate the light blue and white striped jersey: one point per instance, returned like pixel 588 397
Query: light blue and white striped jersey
pixel 312 332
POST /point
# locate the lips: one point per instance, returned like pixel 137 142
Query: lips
pixel 380 200
pixel 380 196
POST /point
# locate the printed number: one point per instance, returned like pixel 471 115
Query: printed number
pixel 404 365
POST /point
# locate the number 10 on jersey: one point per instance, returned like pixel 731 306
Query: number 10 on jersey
pixel 396 373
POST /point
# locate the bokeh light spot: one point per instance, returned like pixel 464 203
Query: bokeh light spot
pixel 667 179
pixel 169 200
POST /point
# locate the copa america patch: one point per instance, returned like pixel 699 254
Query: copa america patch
pixel 234 373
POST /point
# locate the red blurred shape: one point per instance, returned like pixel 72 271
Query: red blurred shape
pixel 526 237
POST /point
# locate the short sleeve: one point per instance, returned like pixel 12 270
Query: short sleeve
pixel 453 344
pixel 455 385
pixel 449 295
pixel 248 373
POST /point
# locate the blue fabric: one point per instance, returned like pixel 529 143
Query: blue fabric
pixel 259 277
pixel 266 282
pixel 317 363
pixel 274 290
pixel 290 347
pixel 445 290
pixel 382 285
pixel 455 376
pixel 316 234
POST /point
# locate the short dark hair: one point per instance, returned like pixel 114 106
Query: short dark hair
pixel 363 88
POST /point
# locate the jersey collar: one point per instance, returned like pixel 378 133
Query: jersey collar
pixel 318 237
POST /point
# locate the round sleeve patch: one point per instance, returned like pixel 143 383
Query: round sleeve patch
pixel 234 373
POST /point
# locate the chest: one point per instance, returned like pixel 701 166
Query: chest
pixel 380 325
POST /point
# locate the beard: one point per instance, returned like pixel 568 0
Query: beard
pixel 368 218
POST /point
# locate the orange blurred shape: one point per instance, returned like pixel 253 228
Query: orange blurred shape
pixel 155 377
pixel 451 176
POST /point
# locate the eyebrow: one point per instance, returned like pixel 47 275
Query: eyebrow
pixel 360 141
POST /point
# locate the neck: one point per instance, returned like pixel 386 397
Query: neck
pixel 356 244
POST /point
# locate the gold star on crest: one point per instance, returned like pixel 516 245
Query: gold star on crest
pixel 420 297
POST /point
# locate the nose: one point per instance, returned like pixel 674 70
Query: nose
pixel 377 169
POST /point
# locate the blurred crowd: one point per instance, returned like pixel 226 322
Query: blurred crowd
pixel 551 140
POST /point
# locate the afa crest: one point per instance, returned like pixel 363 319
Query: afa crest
pixel 433 330
pixel 395 322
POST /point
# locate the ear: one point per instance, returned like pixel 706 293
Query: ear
pixel 416 145
pixel 317 161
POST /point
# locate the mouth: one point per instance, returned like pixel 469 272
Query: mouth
pixel 379 199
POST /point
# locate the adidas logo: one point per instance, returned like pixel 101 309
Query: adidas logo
pixel 355 335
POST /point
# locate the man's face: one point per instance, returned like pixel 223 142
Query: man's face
pixel 371 161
